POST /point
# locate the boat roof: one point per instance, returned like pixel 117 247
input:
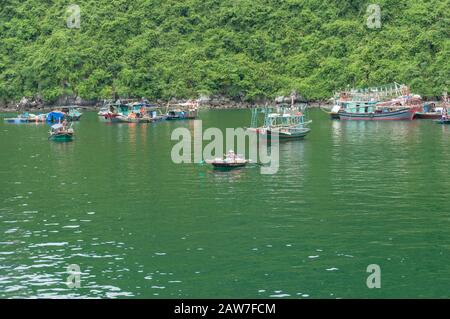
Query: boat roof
pixel 57 126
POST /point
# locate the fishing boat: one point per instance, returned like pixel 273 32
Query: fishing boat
pixel 135 113
pixel 230 160
pixel 72 113
pixel 61 133
pixel 402 107
pixel 388 102
pixel 182 111
pixel 287 122
pixel 117 112
pixel 362 98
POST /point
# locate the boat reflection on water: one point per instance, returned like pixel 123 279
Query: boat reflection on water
pixel 233 175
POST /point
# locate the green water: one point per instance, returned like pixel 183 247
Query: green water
pixel 112 201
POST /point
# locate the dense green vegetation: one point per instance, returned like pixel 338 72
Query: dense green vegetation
pixel 244 49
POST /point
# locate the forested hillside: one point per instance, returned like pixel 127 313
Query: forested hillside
pixel 244 49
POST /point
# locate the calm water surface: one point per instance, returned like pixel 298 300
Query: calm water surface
pixel 138 225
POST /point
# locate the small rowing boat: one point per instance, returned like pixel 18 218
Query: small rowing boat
pixel 61 133
pixel 231 160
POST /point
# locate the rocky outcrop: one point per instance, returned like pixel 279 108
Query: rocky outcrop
pixel 288 99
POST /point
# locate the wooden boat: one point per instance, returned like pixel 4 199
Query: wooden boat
pixel 287 122
pixel 429 111
pixel 61 133
pixel 116 111
pixel 182 111
pixel 427 115
pixel 230 161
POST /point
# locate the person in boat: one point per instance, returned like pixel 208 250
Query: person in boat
pixel 231 156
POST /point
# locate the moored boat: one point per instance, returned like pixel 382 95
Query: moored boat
pixel 72 113
pixel 286 122
pixel 116 111
pixel 182 111
pixel 402 107
pixel 429 111
pixel 26 118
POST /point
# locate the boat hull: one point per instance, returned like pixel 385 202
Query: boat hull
pixel 331 114
pixel 403 114
pixel 228 165
pixel 428 115
pixel 283 136
pixel 180 118
pixel 16 120
pixel 443 121
pixel 61 137
pixel 133 120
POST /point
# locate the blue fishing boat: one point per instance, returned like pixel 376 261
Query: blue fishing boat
pixel 389 102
